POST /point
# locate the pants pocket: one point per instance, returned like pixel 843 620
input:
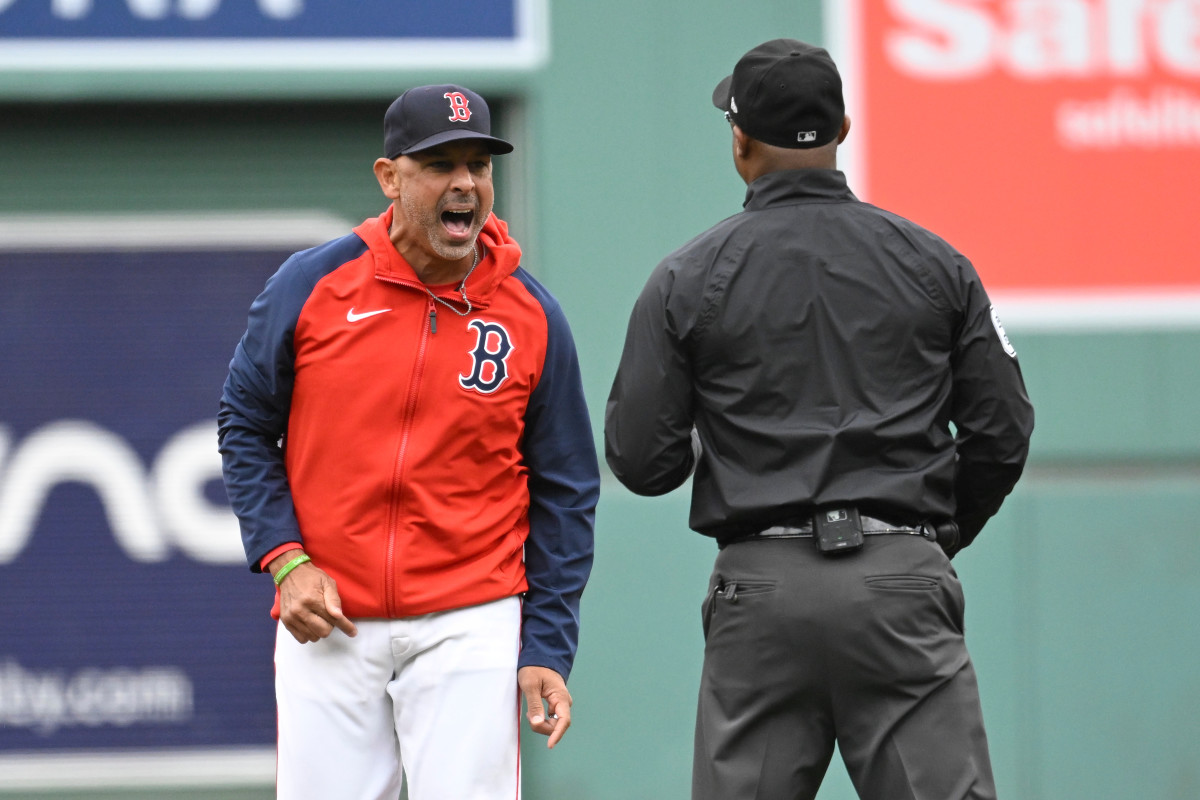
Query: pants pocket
pixel 944 595
pixel 728 590
pixel 706 608
pixel 902 583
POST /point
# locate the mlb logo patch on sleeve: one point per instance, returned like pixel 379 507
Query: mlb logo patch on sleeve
pixel 1005 343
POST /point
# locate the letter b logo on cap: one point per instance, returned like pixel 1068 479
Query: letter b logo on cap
pixel 458 105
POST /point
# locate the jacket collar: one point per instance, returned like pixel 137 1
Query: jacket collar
pixel 797 186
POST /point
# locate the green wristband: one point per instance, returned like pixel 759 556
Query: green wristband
pixel 289 566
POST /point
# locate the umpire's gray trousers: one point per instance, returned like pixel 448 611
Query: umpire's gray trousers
pixel 866 649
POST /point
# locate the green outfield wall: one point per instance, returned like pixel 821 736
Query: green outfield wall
pixel 1081 594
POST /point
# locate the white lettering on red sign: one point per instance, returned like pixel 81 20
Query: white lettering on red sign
pixel 1166 117
pixel 1043 39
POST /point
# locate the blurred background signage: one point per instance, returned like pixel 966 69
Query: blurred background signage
pixel 133 621
pixel 1055 143
pixel 211 34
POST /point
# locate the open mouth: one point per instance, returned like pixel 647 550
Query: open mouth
pixel 458 223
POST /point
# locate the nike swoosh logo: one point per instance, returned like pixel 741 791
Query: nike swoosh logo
pixel 352 317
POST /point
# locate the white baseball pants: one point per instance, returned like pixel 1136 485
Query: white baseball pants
pixel 434 697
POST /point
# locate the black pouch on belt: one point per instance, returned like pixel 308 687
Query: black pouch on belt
pixel 837 530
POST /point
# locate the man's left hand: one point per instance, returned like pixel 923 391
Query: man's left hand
pixel 545 689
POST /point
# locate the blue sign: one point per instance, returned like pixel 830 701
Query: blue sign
pixel 213 34
pixel 196 19
pixel 131 619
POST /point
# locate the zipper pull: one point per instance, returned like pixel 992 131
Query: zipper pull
pixel 433 319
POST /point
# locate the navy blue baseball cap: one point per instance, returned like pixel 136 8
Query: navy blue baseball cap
pixel 427 116
pixel 785 93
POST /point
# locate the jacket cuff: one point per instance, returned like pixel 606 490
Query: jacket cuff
pixel 278 551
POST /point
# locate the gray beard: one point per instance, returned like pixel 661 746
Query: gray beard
pixel 432 225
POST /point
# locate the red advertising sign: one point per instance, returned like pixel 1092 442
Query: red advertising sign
pixel 1055 142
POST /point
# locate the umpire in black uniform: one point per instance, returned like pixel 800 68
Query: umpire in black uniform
pixel 854 413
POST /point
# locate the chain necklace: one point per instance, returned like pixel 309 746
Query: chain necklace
pixel 462 290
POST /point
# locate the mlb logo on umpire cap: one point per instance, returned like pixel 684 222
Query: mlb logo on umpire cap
pixel 418 120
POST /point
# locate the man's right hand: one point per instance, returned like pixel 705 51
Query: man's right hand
pixel 309 605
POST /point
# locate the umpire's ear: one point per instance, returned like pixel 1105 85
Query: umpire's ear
pixel 845 129
pixel 741 143
pixel 743 146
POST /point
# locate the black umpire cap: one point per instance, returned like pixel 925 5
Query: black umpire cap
pixel 785 93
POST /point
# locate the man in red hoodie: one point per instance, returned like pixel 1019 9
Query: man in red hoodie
pixel 407 447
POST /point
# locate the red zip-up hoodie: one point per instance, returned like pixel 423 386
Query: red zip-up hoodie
pixel 433 458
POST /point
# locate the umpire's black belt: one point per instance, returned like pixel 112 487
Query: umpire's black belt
pixel 870 527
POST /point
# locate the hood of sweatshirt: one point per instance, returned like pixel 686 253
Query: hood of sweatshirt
pixel 501 256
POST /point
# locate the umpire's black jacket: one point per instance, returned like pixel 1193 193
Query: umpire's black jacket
pixel 826 352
